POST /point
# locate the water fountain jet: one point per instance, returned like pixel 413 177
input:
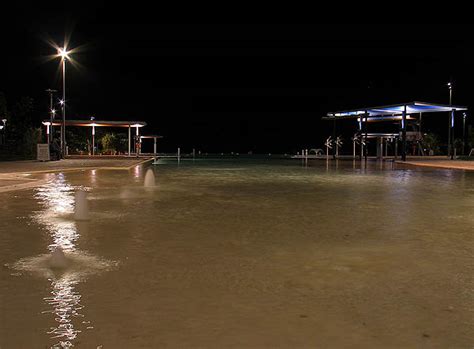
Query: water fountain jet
pixel 58 259
pixel 149 178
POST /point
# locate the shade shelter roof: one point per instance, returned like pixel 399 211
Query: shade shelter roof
pixel 97 123
pixel 390 111
pixel 151 136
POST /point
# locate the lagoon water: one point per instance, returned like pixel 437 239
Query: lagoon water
pixel 223 254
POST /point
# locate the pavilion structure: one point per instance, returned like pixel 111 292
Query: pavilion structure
pixel 396 113
pixel 101 123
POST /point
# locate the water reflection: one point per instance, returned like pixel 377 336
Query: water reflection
pixel 93 176
pixel 65 303
pixel 57 198
pixel 137 172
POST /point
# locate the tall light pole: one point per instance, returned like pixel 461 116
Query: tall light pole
pixel 63 53
pixel 464 115
pixel 450 87
pixel 51 113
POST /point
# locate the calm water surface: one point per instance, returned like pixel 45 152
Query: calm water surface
pixel 242 254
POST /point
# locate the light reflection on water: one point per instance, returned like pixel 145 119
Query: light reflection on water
pixel 65 303
pixel 57 199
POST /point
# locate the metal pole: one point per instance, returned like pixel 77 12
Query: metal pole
pixel 51 115
pixel 463 133
pixel 93 140
pixel 334 149
pixel 381 147
pixel 452 134
pixel 50 137
pixel 63 139
pixel 404 133
pixel 366 152
pixel 137 142
pixel 420 144
pixel 129 138
pixel 449 120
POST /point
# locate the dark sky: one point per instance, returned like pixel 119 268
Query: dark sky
pixel 230 87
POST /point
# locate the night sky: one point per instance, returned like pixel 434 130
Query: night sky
pixel 231 87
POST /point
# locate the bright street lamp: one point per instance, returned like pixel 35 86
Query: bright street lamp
pixel 64 54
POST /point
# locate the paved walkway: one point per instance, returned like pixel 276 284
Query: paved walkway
pixel 16 175
pixel 32 166
pixel 447 164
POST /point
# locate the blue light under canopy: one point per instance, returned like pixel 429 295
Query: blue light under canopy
pixel 394 109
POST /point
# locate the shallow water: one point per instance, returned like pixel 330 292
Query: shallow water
pixel 242 254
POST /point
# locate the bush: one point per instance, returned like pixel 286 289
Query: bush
pixel 430 142
pixel 31 138
pixel 109 143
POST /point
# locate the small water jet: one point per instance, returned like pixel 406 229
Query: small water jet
pixel 149 178
pixel 58 259
pixel 81 208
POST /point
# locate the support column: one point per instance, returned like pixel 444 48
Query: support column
pixel 353 149
pixel 93 140
pixel 420 142
pixel 334 148
pixel 137 143
pixel 404 133
pixel 47 133
pixel 129 138
pixel 464 134
pixel 452 145
pixel 154 146
pixel 380 148
pixel 366 151
pixel 421 120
